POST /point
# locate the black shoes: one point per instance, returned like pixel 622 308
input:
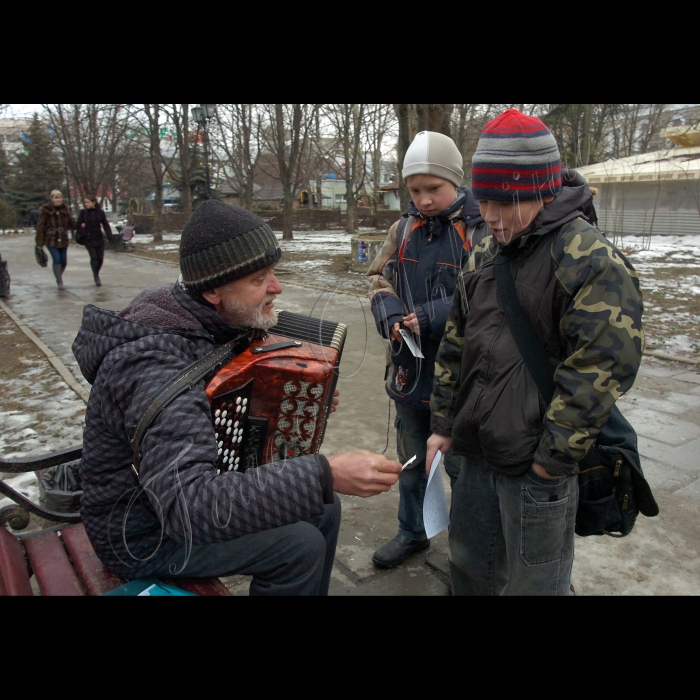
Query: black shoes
pixel 98 282
pixel 397 551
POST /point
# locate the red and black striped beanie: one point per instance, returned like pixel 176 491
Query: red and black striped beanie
pixel 517 159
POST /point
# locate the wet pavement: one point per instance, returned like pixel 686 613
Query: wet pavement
pixel 661 555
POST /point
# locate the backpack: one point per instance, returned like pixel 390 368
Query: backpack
pixel 612 487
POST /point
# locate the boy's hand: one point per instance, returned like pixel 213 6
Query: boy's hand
pixel 363 473
pixel 336 401
pixel 436 442
pixel 395 335
pixel 412 323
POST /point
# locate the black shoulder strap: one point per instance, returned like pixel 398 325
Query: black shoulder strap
pixel 172 389
pixel 526 339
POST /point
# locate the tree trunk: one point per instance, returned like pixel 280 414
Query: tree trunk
pixel 288 230
pixel 352 215
pixel 402 144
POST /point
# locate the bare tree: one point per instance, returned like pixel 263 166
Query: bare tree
pixel 238 134
pixel 179 115
pixel 92 138
pixel 286 135
pixel 380 124
pixel 348 121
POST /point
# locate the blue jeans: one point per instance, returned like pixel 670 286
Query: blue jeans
pixel 412 433
pixel 294 560
pixel 511 535
pixel 59 256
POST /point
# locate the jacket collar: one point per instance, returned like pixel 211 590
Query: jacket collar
pixel 464 207
pixel 207 315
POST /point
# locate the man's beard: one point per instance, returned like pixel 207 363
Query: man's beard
pixel 239 314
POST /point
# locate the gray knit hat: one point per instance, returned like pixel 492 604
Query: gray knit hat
pixel 435 154
pixel 221 243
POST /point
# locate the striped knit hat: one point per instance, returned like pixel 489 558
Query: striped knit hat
pixel 517 159
pixel 221 243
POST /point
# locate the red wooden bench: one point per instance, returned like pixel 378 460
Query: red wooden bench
pixel 61 558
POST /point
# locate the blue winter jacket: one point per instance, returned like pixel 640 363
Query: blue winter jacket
pixel 416 272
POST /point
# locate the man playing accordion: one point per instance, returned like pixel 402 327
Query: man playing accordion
pixel 177 515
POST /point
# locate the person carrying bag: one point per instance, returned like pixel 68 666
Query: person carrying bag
pixel 91 221
pixel 52 231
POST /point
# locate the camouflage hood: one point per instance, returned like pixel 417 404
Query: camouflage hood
pixel 583 299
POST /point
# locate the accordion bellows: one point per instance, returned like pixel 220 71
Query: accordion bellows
pixel 272 401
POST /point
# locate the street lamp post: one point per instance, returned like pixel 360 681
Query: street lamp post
pixel 203 115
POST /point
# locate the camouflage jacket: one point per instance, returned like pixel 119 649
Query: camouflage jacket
pixel 583 299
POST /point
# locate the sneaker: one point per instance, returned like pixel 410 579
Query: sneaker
pixel 397 551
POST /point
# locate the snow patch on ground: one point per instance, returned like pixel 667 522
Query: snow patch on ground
pixel 44 416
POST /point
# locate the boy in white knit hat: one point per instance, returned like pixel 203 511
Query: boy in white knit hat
pixel 412 284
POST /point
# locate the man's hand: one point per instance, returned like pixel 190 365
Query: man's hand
pixel 436 442
pixel 541 471
pixel 84 225
pixel 336 401
pixel 412 323
pixel 363 473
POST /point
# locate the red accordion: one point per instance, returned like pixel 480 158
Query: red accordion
pixel 272 401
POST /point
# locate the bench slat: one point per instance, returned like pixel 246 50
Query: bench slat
pixel 14 578
pixel 51 566
pixel 200 586
pixel 98 579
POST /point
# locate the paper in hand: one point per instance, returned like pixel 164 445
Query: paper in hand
pixel 436 516
pixel 411 344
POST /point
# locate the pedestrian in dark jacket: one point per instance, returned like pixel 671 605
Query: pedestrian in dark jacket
pixel 34 216
pixel 91 221
pixel 52 231
pixel 278 522
pixel 413 281
pixel 514 504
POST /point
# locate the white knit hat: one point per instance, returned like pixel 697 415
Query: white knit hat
pixel 434 154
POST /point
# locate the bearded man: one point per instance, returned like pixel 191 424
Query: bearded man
pixel 279 522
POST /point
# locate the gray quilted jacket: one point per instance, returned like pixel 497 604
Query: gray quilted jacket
pixel 128 356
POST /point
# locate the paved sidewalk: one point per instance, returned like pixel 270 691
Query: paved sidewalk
pixel 660 557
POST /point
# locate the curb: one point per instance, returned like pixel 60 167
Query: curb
pixel 672 358
pixel 65 373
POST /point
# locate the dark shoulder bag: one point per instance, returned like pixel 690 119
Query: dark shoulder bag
pixel 612 487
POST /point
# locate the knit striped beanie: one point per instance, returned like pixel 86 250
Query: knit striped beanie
pixel 517 159
pixel 221 243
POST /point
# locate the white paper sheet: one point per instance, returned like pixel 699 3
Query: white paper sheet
pixel 410 462
pixel 436 516
pixel 411 344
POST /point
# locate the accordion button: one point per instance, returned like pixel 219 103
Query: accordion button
pixel 240 439
pixel 226 453
pixel 245 402
pixel 218 413
pixel 224 414
pixel 228 432
pixel 238 401
pixel 220 450
pixel 238 459
pixel 230 468
pixel 221 443
pixel 244 409
pixel 230 423
pixel 236 424
pixel 217 421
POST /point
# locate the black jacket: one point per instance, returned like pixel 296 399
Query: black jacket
pixel 127 357
pixel 95 220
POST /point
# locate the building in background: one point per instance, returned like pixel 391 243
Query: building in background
pixel 13 134
pixel 653 193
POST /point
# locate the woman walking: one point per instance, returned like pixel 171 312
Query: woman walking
pixel 52 231
pixel 91 221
